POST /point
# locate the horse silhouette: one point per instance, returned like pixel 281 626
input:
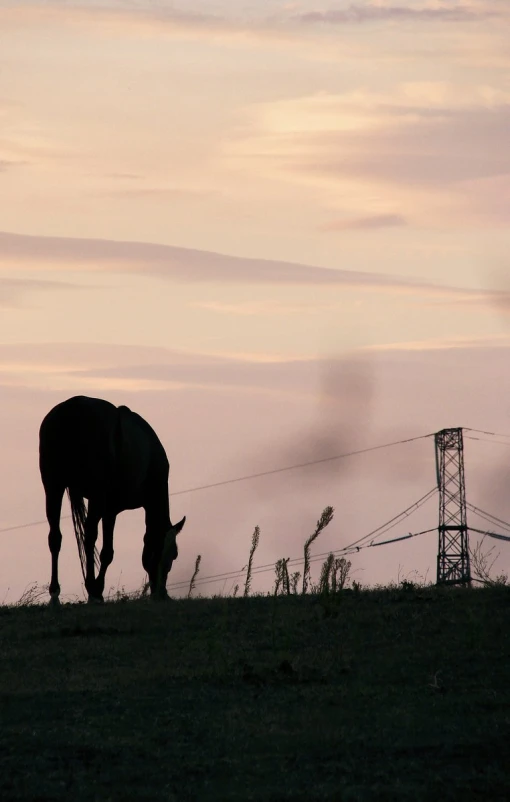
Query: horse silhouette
pixel 111 457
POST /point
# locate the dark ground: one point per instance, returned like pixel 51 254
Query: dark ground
pixel 380 695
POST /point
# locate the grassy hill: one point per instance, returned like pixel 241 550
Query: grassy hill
pixel 373 695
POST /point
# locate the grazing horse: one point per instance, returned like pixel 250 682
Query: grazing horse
pixel 112 457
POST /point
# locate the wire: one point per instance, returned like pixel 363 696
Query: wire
pixel 405 537
pixel 349 549
pixel 25 526
pixel 490 534
pixel 255 475
pixel 488 516
pixel 481 431
pixel 486 440
pixel 301 465
pixel 297 561
pixel 488 519
pixel 396 520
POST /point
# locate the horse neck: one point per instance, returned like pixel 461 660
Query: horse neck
pixel 157 511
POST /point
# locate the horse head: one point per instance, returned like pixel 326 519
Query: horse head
pixel 158 566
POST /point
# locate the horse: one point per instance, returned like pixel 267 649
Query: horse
pixel 110 456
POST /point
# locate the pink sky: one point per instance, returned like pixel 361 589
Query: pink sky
pixel 277 230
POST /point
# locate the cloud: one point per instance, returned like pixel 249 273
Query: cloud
pixel 186 265
pixel 158 193
pixel 163 12
pixel 267 308
pixel 96 366
pixel 418 140
pixel 126 18
pixel 125 176
pixel 13 291
pixel 362 223
pixel 358 14
pixel 7 164
pixel 167 16
pixel 466 145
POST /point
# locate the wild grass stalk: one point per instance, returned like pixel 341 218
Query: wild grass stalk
pixel 334 574
pixel 294 581
pixel 31 595
pixel 254 543
pixel 482 564
pixel 195 574
pixel 324 520
pixel 282 581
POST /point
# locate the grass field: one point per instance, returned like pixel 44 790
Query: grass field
pixel 371 695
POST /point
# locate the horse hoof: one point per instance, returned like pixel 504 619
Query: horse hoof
pixel 160 597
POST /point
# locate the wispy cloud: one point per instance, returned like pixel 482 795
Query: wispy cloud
pixel 157 19
pixel 186 265
pixel 268 308
pixel 363 223
pixel 167 14
pixel 415 142
pixel 14 291
pixel 358 14
pixel 463 146
pixel 7 164
pixel 158 193
pixel 144 368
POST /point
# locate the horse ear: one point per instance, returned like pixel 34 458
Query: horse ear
pixel 177 527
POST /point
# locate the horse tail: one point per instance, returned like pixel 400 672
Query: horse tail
pixel 79 515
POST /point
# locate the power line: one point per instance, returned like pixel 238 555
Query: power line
pixel 490 534
pixel 25 526
pixel 352 548
pixel 404 537
pixel 255 475
pixel 396 520
pixel 481 431
pixel 297 561
pixel 488 516
pixel 486 440
pixel 302 465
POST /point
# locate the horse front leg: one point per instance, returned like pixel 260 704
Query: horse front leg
pixel 106 555
pixel 91 527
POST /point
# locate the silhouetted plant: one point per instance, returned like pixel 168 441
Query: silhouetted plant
pixel 195 573
pixel 282 581
pixel 235 591
pixel 482 563
pixel 294 581
pixel 286 580
pixel 31 595
pixel 342 570
pixel 120 594
pixel 324 520
pixel 254 543
pixel 325 576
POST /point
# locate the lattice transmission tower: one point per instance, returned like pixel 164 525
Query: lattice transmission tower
pixel 453 566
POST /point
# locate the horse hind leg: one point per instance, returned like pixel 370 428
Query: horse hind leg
pixel 54 497
pixel 106 555
pixel 91 531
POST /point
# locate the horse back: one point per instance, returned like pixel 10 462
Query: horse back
pixel 141 460
pixel 76 443
pixel 102 451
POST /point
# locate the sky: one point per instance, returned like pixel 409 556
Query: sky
pixel 278 231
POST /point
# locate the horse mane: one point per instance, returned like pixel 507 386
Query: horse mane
pixel 79 515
